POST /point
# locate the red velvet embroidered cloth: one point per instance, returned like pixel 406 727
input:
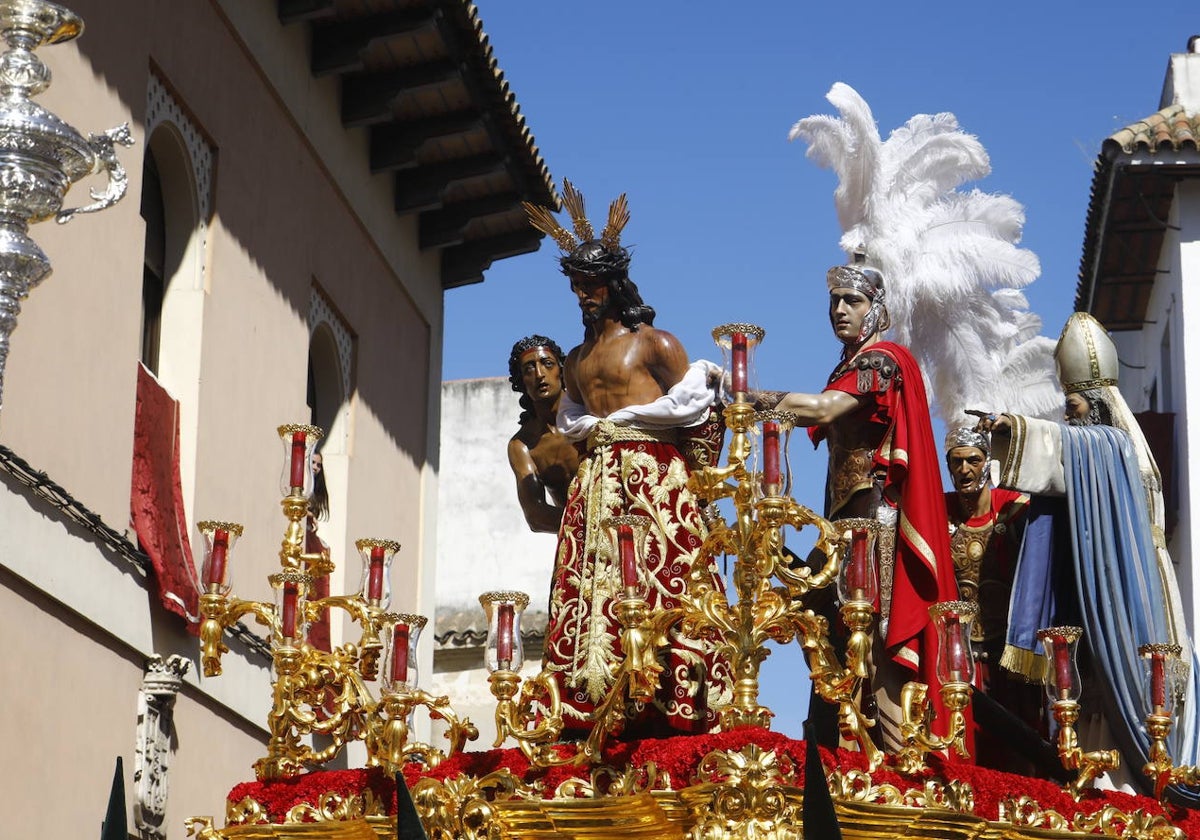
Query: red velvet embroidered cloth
pixel 583 645
pixel 156 498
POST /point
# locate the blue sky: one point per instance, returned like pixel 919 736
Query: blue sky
pixel 686 108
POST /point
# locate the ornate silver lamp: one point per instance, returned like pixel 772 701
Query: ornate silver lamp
pixel 40 155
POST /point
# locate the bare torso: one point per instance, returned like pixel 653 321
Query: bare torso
pixel 616 367
pixel 555 459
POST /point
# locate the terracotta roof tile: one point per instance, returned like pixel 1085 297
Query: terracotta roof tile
pixel 1171 129
pixel 1126 212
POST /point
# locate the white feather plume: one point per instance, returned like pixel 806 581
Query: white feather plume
pixel 950 258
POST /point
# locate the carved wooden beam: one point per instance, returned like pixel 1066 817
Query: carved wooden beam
pixel 441 228
pixel 368 98
pixel 465 264
pixel 296 11
pixel 395 145
pixel 338 47
pixel 422 188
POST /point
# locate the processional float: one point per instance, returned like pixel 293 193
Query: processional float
pixel 744 781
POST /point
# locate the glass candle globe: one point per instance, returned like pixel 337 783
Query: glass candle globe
pixel 503 650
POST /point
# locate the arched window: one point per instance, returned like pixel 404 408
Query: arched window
pixel 326 391
pixel 154 281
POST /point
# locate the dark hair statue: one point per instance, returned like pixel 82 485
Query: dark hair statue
pixel 1099 412
pixel 514 368
pixel 610 264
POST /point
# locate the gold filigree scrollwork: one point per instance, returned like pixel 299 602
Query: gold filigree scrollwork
pixel 953 796
pixel 461 808
pixel 517 715
pixel 746 793
pixel 248 811
pixel 1137 825
pixel 333 807
pixel 762 611
pixel 1024 811
pixel 1089 764
pixel 202 828
pixel 386 730
pixel 1160 768
pixel 643 634
pixel 836 684
pixel 915 727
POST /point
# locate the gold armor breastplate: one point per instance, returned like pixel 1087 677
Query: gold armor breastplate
pixel 980 580
pixel 852 445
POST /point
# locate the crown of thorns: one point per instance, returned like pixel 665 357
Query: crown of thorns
pixel 583 253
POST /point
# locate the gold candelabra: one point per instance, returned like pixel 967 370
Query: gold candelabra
pixel 768 602
pixel 319 692
pixel 769 595
pixel 1162 661
pixel 1063 689
pixel 955 671
pixel 769 591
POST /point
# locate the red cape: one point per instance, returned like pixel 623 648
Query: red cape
pixel 924 571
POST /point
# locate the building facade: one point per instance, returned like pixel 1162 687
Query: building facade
pixel 1140 277
pixel 308 177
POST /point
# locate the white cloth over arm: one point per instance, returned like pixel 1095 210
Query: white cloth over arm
pixel 1031 458
pixel 686 404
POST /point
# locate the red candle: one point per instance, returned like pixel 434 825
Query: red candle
pixel 771 457
pixel 375 575
pixel 957 654
pixel 400 653
pixel 299 450
pixel 291 592
pixel 856 575
pixel 216 559
pixel 629 564
pixel 1062 667
pixel 739 363
pixel 504 635
pixel 1158 682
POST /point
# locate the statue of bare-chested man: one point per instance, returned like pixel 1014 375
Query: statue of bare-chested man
pixel 542 459
pixel 642 411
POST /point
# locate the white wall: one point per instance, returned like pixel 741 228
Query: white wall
pixel 483 541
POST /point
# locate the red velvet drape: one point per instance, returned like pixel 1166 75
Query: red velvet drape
pixel 156 498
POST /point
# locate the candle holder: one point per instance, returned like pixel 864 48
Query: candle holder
pixel 528 711
pixel 306 678
pixel 387 726
pixel 1063 689
pixel 291 597
pixel 643 634
pixel 1162 672
pixel 774 468
pixel 858 587
pixel 627 537
pixel 375 585
pixel 401 633
pixel 299 441
pixel 761 610
pixel 738 343
pixel 216 573
pixel 955 671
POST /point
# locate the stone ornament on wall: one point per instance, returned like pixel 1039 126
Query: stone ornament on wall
pixel 152 758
